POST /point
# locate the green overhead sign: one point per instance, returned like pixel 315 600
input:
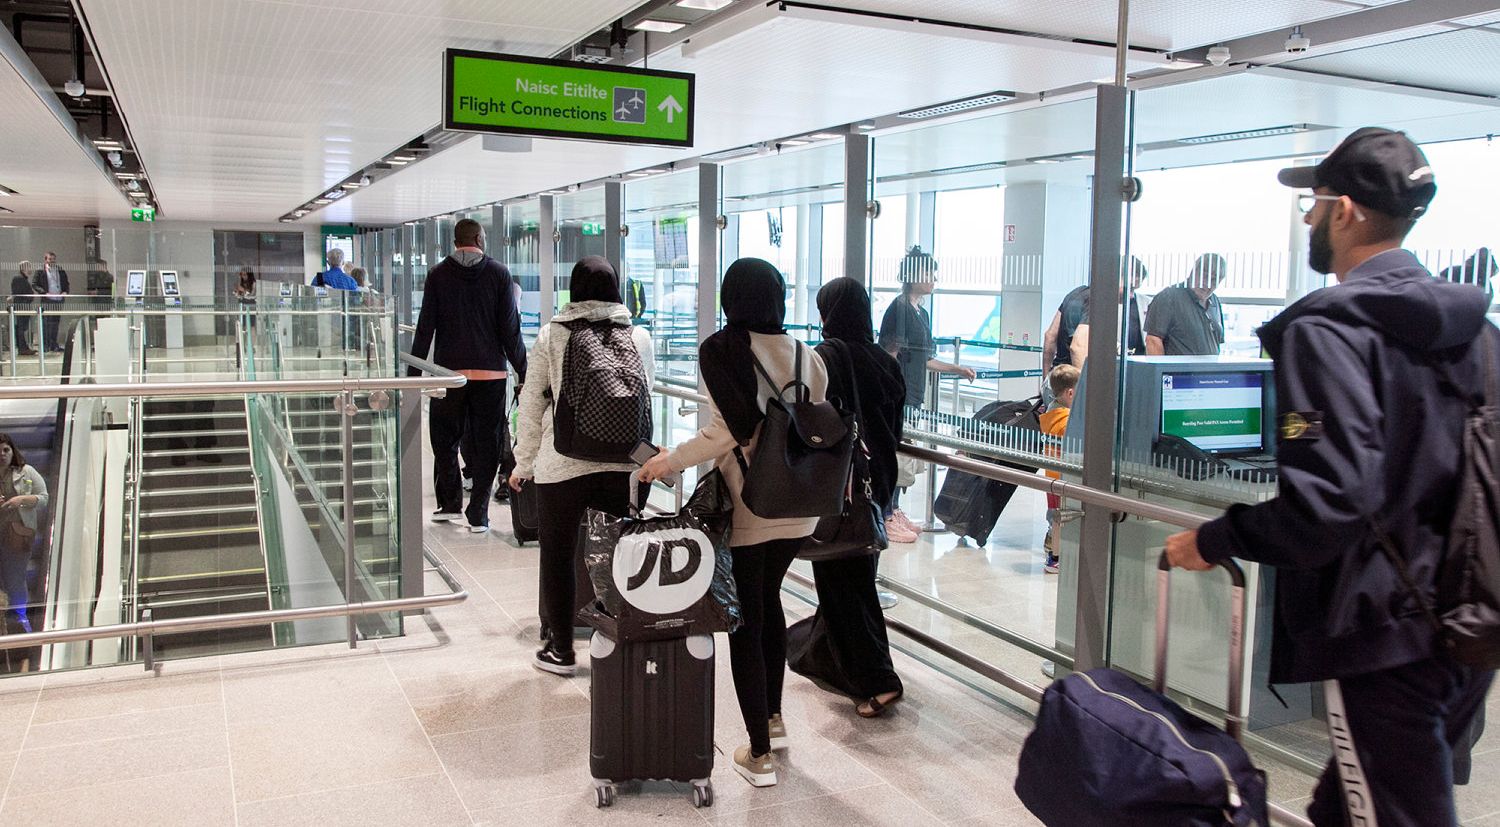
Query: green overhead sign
pixel 143 214
pixel 593 228
pixel 515 95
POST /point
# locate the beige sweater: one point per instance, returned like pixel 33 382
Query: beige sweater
pixel 715 443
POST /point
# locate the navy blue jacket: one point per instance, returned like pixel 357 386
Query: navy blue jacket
pixel 1387 364
pixel 469 306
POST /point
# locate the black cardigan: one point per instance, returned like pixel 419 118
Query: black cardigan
pixel 472 311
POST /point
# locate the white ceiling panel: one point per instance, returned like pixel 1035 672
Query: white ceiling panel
pixel 1467 60
pixel 1159 24
pixel 43 162
pixel 784 78
pixel 242 109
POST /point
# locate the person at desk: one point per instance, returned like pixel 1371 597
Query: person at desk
pixel 1375 377
pixel 1187 319
pixel 1071 344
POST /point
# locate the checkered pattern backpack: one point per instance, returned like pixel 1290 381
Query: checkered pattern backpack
pixel 604 409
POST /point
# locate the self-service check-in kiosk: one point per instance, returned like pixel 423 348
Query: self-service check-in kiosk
pixel 171 293
pixel 1196 433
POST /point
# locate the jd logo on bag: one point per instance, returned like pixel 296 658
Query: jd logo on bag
pixel 663 576
pixel 663 571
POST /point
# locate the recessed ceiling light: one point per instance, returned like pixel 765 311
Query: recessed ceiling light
pixel 704 5
pixel 7 192
pixel 395 163
pixel 1290 129
pixel 322 201
pixel 653 25
pixel 957 106
pixel 866 126
pixel 138 194
pixel 403 158
pixel 824 136
pixel 125 176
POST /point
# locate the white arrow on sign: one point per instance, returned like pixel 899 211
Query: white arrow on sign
pixel 670 106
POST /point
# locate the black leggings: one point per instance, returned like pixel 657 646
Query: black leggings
pixel 757 652
pixel 560 508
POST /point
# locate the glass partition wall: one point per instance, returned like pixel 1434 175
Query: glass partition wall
pixel 660 269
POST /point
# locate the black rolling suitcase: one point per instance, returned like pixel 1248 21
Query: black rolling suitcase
pixel 969 506
pixel 652 714
pixel 524 521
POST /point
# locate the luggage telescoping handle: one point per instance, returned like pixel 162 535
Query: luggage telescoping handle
pixel 1234 716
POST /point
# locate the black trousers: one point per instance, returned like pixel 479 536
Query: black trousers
pixel 50 323
pixel 23 332
pixel 560 508
pixel 507 454
pixel 1402 724
pixel 854 623
pixel 757 652
pixel 478 407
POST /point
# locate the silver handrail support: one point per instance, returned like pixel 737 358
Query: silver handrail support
pixel 346 417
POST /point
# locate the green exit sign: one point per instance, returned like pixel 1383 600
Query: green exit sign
pixel 516 95
pixel 593 228
pixel 143 214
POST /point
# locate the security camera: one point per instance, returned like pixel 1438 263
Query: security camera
pixel 74 88
pixel 1218 55
pixel 1298 42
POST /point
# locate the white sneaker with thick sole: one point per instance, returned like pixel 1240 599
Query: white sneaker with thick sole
pixel 759 770
pixel 446 516
pixel 479 529
pixel 778 733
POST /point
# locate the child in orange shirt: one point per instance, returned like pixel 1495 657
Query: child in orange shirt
pixel 1063 380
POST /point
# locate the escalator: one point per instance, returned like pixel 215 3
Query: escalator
pixel 200 541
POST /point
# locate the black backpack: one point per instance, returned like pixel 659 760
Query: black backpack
pixel 1467 614
pixel 604 408
pixel 803 457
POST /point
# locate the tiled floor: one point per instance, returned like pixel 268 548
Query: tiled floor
pixel 449 725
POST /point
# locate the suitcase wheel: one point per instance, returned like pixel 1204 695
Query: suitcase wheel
pixel 703 795
pixel 605 795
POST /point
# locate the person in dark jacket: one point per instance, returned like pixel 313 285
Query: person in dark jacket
pixel 51 282
pixel 849 620
pixel 467 304
pixel 1374 379
pixel 21 296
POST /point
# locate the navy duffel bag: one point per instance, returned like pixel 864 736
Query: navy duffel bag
pixel 1108 751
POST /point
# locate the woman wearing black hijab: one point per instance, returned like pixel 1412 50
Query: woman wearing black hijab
pixel 844 645
pixel 753 296
pixel 566 487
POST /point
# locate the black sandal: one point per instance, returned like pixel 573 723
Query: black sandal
pixel 876 707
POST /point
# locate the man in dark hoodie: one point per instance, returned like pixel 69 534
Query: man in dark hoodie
pixel 468 304
pixel 1374 379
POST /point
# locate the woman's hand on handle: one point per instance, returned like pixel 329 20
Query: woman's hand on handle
pixel 658 467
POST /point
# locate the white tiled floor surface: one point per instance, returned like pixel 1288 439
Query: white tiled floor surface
pixel 449 725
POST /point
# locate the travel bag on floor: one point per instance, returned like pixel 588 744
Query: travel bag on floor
pixel 1107 751
pixel 524 521
pixel 969 506
pixel 652 716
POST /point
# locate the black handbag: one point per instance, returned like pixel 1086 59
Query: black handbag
pixel 859 529
pixel 802 458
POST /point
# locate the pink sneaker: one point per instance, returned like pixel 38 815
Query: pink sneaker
pixel 906 522
pixel 897 533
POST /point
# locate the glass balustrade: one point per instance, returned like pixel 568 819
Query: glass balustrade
pixel 166 505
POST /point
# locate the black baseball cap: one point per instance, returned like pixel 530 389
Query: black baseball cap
pixel 1379 168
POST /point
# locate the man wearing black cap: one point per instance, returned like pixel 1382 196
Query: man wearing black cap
pixel 1375 377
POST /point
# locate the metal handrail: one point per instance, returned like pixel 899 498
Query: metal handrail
pixel 1021 479
pixel 146 629
pixel 440 378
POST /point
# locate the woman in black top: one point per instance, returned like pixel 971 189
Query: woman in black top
pixel 849 619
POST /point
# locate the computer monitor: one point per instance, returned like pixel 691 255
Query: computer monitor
pixel 1220 412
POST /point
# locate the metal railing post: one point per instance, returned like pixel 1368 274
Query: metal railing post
pixel 347 418
pixel 12 325
pixel 41 343
pixel 148 650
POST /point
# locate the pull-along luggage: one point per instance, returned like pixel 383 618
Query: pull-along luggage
pixel 969 506
pixel 524 522
pixel 1108 751
pixel 652 714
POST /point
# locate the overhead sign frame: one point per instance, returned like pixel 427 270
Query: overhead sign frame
pixel 591 73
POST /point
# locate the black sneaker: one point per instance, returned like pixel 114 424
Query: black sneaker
pixel 558 662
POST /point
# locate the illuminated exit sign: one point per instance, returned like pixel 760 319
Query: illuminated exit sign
pixel 517 95
pixel 143 214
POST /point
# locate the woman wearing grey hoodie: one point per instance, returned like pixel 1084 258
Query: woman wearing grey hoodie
pixel 567 487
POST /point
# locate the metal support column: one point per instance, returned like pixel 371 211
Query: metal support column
pixel 856 199
pixel 1102 375
pixel 546 250
pixel 346 416
pixel 614 220
pixel 708 261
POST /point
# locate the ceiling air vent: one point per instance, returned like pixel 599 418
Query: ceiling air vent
pixel 962 105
